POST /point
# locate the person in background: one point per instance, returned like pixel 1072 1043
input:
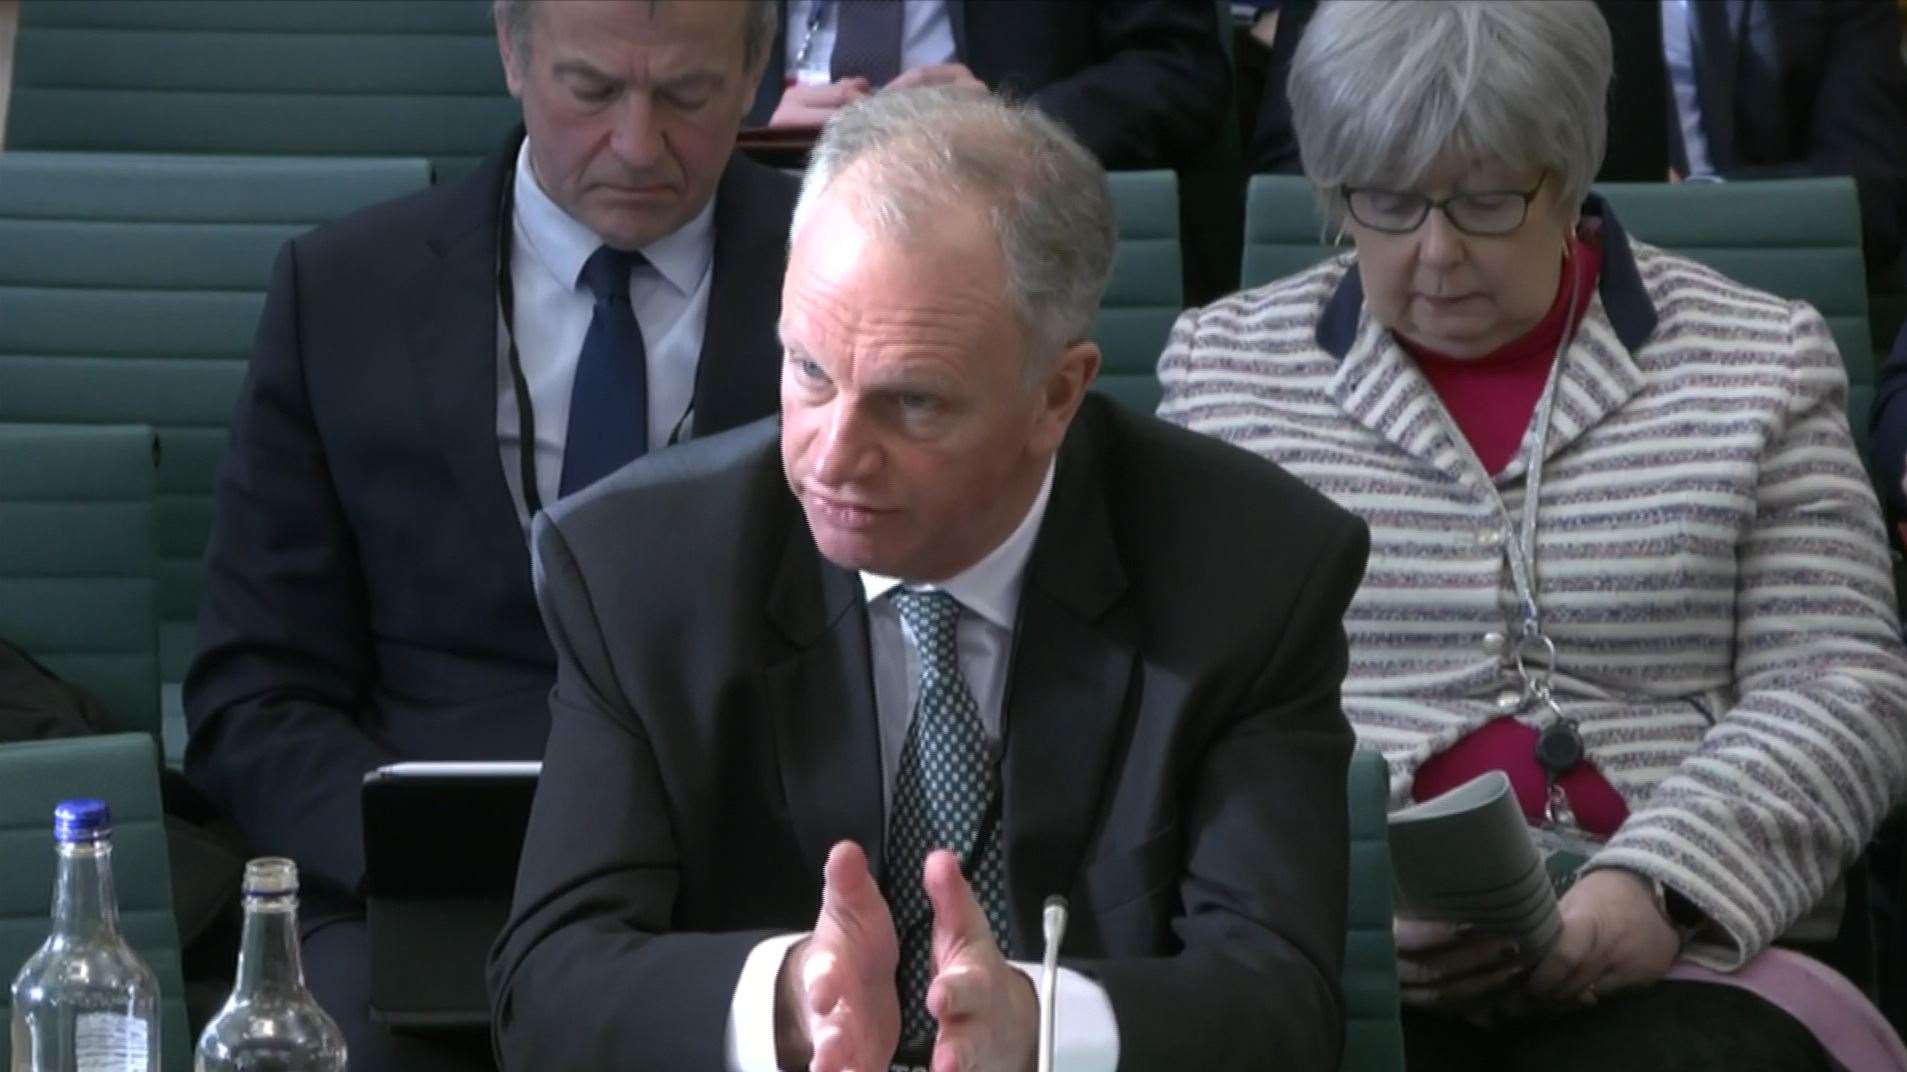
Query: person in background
pixel 1785 88
pixel 426 374
pixel 1593 470
pixel 950 637
pixel 1141 83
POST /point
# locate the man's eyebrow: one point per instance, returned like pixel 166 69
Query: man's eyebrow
pixel 582 67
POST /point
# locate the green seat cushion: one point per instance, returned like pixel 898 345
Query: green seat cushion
pixel 77 590
pixel 1145 292
pixel 136 300
pixel 415 78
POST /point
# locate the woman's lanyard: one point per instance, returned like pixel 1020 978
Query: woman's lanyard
pixel 1559 747
pixel 506 300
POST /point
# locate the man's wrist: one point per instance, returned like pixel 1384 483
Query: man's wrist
pixel 793 1047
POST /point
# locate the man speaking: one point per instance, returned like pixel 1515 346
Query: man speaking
pixel 842 699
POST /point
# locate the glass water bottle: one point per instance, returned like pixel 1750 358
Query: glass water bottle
pixel 85 1002
pixel 271 1023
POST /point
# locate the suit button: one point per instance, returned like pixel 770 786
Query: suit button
pixel 1492 642
pixel 1509 700
pixel 1492 537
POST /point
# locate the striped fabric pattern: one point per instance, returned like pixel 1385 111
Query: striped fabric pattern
pixel 1711 565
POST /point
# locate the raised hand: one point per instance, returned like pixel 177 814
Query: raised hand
pixel 987 1011
pixel 835 1005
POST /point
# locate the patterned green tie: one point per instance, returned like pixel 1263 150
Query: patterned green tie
pixel 945 797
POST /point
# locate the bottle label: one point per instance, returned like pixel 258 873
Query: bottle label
pixel 110 1042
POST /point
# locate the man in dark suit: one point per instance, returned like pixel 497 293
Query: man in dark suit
pixel 1783 88
pixel 950 637
pixel 426 373
pixel 1142 83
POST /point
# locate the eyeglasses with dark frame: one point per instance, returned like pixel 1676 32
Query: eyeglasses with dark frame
pixel 1484 213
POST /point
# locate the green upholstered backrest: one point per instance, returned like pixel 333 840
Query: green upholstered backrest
pixel 130 292
pixel 123 770
pixel 76 561
pixel 1797 238
pixel 273 77
pixel 1373 1036
pixel 1145 293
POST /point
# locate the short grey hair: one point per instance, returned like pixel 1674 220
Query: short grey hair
pixel 1381 91
pixel 764 19
pixel 925 150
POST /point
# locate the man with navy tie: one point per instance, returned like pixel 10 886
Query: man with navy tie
pixel 430 373
pixel 951 636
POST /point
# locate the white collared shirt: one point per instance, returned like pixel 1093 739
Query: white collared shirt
pixel 553 310
pixel 926 38
pixel 1086 1034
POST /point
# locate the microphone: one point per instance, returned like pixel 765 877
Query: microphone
pixel 1053 929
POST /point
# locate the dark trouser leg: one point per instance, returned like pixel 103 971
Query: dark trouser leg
pixel 1673 1026
pixel 1434 1043
pixel 338 971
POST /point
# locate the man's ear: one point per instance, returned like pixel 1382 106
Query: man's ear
pixel 512 76
pixel 1062 390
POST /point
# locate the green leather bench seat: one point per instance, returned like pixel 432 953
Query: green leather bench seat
pixel 271 77
pixel 1798 238
pixel 76 562
pixel 1373 1035
pixel 130 293
pixel 123 770
pixel 1145 293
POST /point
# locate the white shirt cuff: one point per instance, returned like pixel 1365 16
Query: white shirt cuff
pixel 750 1046
pixel 1085 1035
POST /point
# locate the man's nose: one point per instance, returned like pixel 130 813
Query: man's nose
pixel 844 450
pixel 637 136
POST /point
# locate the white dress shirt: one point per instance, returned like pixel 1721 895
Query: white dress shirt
pixel 553 310
pixel 1086 1034
pixel 1678 55
pixel 926 38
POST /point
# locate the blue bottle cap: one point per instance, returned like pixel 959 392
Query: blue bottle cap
pixel 81 820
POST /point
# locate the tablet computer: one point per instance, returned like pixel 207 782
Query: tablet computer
pixel 441 842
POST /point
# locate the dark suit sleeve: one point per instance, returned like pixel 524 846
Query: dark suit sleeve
pixel 1158 89
pixel 1887 433
pixel 583 977
pixel 1857 124
pixel 1274 141
pixel 272 696
pixel 1257 982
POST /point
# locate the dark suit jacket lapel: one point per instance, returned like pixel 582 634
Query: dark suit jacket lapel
pixel 820 700
pixel 736 380
pixel 451 296
pixel 1074 650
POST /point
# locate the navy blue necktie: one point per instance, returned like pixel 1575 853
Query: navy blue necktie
pixel 609 406
pixel 867 40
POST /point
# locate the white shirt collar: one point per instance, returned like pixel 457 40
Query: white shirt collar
pixel 561 243
pixel 991 586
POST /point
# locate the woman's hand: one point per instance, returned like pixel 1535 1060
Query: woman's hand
pixel 1614 937
pixel 1450 968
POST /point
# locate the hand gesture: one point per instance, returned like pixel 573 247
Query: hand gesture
pixel 987 1011
pixel 835 1005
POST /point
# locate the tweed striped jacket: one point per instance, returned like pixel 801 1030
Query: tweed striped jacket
pixel 1710 561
